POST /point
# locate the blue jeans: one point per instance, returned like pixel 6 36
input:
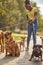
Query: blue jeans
pixel 32 31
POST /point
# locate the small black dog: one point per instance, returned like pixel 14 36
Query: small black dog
pixel 37 52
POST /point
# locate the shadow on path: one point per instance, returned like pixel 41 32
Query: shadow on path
pixel 6 60
pixel 25 60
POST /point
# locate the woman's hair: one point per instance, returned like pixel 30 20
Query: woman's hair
pixel 28 5
pixel 27 2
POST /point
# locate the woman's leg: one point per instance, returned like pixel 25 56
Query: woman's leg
pixel 29 35
pixel 35 29
pixel 34 35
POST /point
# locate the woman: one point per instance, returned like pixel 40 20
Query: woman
pixel 31 13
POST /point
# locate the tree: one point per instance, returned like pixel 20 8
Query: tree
pixel 12 11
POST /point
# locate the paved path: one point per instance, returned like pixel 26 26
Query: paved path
pixel 23 59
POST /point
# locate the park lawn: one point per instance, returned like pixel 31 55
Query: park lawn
pixel 18 37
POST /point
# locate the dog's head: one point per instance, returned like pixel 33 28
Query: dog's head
pixel 37 46
pixel 8 34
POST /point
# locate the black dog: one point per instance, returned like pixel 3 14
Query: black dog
pixel 37 52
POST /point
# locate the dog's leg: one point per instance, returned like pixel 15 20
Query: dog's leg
pixel 20 47
pixel 23 47
pixel 38 58
pixel 41 57
pixel 3 45
pixel 6 52
pixel 31 56
pixel 13 51
pixel 2 48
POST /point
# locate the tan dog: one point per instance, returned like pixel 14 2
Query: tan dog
pixel 42 40
pixel 22 42
pixel 10 49
pixel 17 52
pixel 1 41
pixel 11 46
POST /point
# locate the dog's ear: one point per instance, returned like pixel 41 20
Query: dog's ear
pixel 6 33
pixel 41 37
pixel 23 37
pixel 40 46
pixel 34 46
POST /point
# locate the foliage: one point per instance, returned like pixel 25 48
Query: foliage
pixel 13 11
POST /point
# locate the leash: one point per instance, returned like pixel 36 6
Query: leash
pixel 14 25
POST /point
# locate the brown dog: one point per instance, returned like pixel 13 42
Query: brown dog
pixel 10 49
pixel 11 46
pixel 1 41
pixel 22 42
pixel 17 52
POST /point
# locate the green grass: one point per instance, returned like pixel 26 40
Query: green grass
pixel 17 37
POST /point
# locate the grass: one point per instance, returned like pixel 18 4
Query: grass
pixel 17 37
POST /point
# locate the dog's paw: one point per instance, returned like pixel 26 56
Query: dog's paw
pixel 41 60
pixel 29 59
